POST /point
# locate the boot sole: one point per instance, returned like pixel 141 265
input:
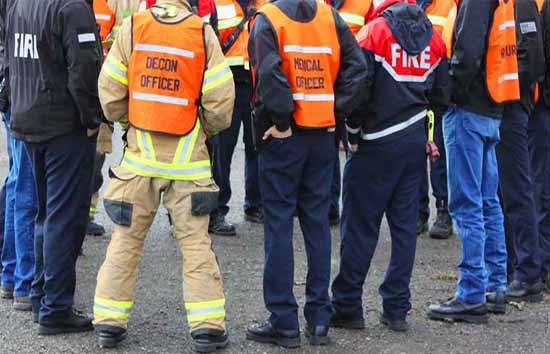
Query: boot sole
pixel 497 309
pixel 457 318
pixel 441 236
pixel 106 342
pixel 50 331
pixel 355 325
pixel 6 296
pixel 526 298
pixel 281 342
pixel 22 307
pixel 318 340
pixel 210 347
pixel 227 234
pixel 253 219
pixel 388 323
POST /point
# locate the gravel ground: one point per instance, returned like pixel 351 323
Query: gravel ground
pixel 158 322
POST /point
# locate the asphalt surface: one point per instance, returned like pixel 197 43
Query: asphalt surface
pixel 158 322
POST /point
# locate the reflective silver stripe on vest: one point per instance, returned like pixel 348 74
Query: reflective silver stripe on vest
pixel 163 49
pixel 112 309
pixel 307 50
pixel 395 128
pixel 507 24
pixel 312 97
pixel 102 17
pixel 166 171
pixel 158 98
pixel 508 77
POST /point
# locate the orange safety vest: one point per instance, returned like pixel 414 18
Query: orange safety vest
pixel 310 54
pixel 165 74
pixel 442 14
pixel 104 17
pixel 354 13
pixel 502 60
pixel 230 14
pixel 540 3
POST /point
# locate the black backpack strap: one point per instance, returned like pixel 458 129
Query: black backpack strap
pixel 240 27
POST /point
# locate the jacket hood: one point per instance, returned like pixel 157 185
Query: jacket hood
pixel 408 23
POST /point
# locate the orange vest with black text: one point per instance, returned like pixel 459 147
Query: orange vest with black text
pixel 442 15
pixel 310 54
pixel 165 74
pixel 502 60
pixel 104 17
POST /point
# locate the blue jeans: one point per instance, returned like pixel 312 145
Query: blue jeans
pixel 474 205
pixel 21 208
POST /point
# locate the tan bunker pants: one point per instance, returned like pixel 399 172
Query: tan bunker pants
pixel 132 202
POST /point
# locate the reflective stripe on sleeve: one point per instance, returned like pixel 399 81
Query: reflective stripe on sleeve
pixel 116 71
pixel 353 19
pixel 216 76
pixel 159 98
pixel 234 61
pixel 306 50
pixel 437 20
pixel 86 37
pixel 164 49
pixel 396 128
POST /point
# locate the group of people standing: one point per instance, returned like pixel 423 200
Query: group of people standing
pixel 395 82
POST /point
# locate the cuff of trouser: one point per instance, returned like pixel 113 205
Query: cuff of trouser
pixel 100 321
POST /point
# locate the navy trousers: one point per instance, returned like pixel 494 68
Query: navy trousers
pixel 222 147
pixel 539 148
pixel 63 169
pixel 296 174
pixel 336 187
pixel 437 176
pixel 517 188
pixel 381 178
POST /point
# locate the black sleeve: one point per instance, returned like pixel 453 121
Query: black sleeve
pixel 273 92
pixel 352 78
pixel 439 96
pixel 354 120
pixel 470 43
pixel 82 51
pixel 4 72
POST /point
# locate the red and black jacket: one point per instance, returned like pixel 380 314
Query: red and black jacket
pixel 407 73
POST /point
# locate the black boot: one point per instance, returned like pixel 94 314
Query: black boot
pixel 317 335
pixel 218 226
pixel 496 302
pixel 458 310
pixel 521 291
pixel 208 340
pixel 421 227
pixel 94 229
pixel 339 321
pixel 266 333
pixel 72 323
pixel 394 324
pixel 443 227
pixel 254 215
pixel 110 336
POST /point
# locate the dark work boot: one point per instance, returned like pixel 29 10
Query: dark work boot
pixel 110 336
pixel 394 324
pixel 443 226
pixel 254 215
pixel 496 302
pixel 218 226
pixel 207 340
pixel 317 335
pixel 6 292
pixel 521 291
pixel 339 321
pixel 421 227
pixel 546 280
pixel 458 310
pixel 266 333
pixel 94 229
pixel 72 323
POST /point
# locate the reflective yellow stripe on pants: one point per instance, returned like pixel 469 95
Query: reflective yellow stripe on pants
pixel 119 310
pixel 206 310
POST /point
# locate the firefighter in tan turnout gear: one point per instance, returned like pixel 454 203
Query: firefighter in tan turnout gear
pixel 167 74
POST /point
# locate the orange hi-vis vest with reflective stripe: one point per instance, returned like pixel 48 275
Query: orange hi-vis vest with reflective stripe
pixel 230 14
pixel 354 13
pixel 165 74
pixel 104 17
pixel 310 54
pixel 502 60
pixel 442 15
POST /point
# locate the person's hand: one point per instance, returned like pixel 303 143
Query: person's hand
pixel 92 132
pixel 353 147
pixel 273 132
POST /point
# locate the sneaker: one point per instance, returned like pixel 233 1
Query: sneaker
pixel 339 321
pixel 6 293
pixel 443 226
pixel 266 333
pixel 209 340
pixel 22 303
pixel 458 310
pixel 94 229
pixel 394 324
pixel 218 226
pixel 72 323
pixel 521 291
pixel 496 302
pixel 110 336
pixel 254 215
pixel 317 335
pixel 421 227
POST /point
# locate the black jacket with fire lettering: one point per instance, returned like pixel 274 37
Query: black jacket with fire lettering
pixel 273 96
pixel 408 67
pixel 54 57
